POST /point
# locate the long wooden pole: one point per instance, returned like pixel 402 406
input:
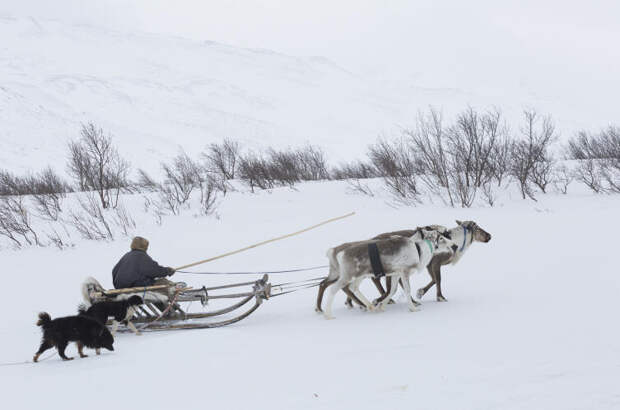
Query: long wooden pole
pixel 264 242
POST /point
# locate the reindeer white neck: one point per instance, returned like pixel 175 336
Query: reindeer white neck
pixel 463 237
pixel 426 252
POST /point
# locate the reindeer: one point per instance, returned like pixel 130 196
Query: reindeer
pixel 400 256
pixel 464 235
pixel 417 233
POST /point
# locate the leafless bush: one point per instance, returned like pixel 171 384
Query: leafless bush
pixel 56 239
pixel 531 161
pixel 96 165
pixel 356 185
pixel 254 170
pixel 222 158
pixel 208 197
pixel 562 177
pixel 123 220
pixel 15 222
pixel 354 170
pixel 488 193
pixel 145 182
pixel 429 143
pixel 90 220
pixel 48 190
pixel 181 178
pixel 598 159
pixel 395 162
pixel 311 163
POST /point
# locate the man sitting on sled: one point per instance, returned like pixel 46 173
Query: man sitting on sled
pixel 136 268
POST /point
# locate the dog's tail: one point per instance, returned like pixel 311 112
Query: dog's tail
pixel 82 308
pixel 44 319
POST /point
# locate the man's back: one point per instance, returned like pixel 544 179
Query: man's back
pixel 136 268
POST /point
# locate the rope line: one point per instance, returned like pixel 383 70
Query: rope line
pixel 254 273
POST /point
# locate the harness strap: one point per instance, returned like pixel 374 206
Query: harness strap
pixel 375 260
pixel 430 245
pixel 464 238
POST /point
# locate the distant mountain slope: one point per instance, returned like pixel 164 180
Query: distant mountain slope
pixel 155 93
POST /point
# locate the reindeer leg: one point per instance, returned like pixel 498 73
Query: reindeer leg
pixel 384 293
pixel 355 288
pixel 440 297
pixel 422 291
pixel 352 298
pixel 330 298
pixel 319 298
pixel 404 281
pixel 393 288
pixel 400 281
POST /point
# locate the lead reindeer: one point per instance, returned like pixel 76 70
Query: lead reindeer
pixel 400 256
pixel 464 235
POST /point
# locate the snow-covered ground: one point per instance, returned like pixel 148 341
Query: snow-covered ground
pixel 531 320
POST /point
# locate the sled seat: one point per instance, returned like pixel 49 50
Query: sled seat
pixel 93 292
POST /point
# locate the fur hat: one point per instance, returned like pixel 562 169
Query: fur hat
pixel 139 243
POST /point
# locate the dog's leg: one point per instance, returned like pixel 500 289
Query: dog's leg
pixel 98 351
pixel 319 297
pixel 80 347
pixel 133 328
pixel 61 350
pixel 44 346
pixel 114 327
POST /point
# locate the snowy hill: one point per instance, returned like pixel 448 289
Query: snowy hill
pixel 155 93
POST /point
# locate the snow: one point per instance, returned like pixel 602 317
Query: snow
pixel 530 321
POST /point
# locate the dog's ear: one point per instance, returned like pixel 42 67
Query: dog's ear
pixel 459 222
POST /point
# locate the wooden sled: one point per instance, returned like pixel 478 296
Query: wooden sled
pixel 166 307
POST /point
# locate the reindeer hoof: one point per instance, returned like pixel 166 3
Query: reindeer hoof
pixel 420 293
pixel 83 356
pixel 138 333
pixel 414 309
pixel 391 302
pixel 441 299
pixel 67 358
pixel 329 317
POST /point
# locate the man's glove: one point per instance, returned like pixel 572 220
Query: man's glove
pixel 170 271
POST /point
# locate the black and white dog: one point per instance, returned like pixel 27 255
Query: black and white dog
pixel 120 311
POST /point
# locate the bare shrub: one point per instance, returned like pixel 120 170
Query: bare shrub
pixel 222 158
pixel 182 176
pixel 56 239
pixel 48 190
pixel 356 185
pixel 530 162
pixel 208 197
pixel 255 171
pixel 354 170
pixel 488 193
pixel 311 164
pixel 395 162
pixel 90 220
pixel 16 223
pixel 562 177
pixel 123 220
pixel 598 159
pixel 145 182
pixel 97 166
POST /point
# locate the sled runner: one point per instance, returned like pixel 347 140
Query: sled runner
pixel 166 307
